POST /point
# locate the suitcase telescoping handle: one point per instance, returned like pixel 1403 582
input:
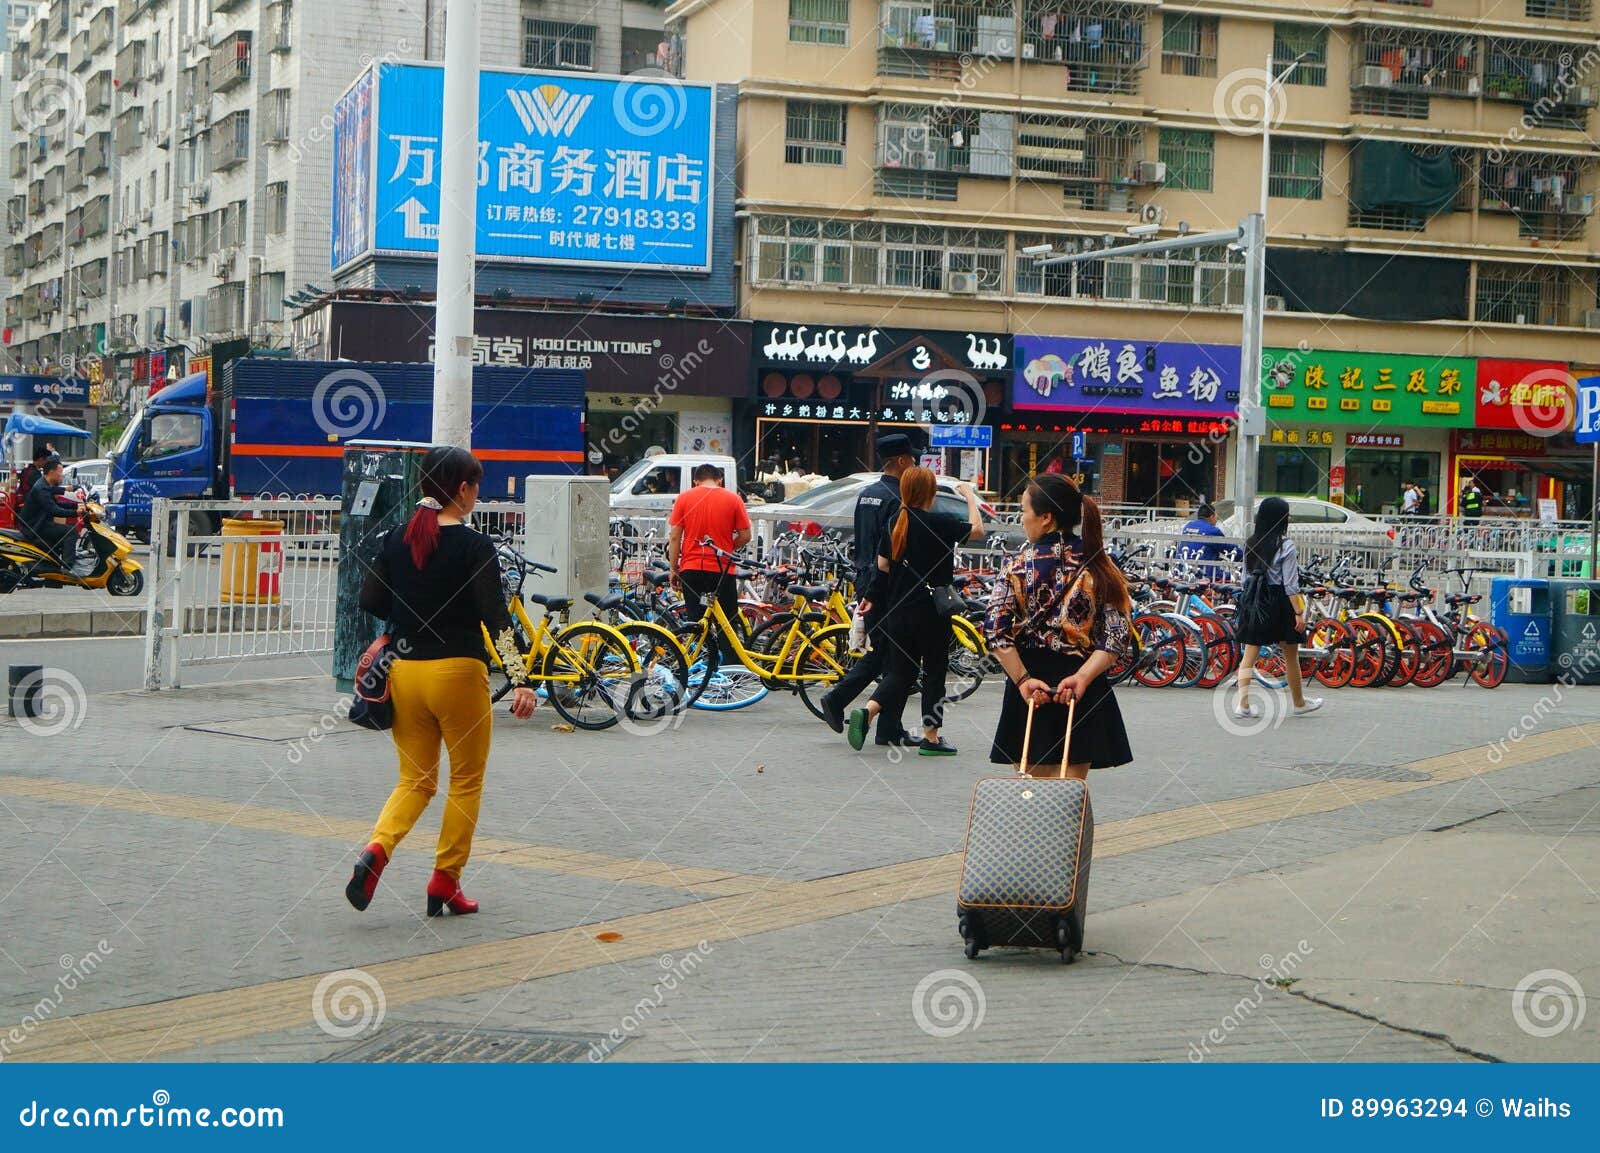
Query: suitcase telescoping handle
pixel 1066 743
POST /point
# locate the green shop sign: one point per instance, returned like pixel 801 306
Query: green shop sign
pixel 1368 388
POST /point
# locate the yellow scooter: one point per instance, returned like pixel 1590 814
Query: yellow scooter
pixel 27 563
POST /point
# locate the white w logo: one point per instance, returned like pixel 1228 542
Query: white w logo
pixel 549 110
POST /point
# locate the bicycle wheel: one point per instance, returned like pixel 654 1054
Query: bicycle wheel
pixel 1437 663
pixel 1194 651
pixel 730 687
pixel 1163 651
pixel 1490 647
pixel 967 660
pixel 1410 655
pixel 827 652
pixel 1221 651
pixel 663 671
pixel 1339 665
pixel 1369 651
pixel 588 672
pixel 1123 664
pixel 769 637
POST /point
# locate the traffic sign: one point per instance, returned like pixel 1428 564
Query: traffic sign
pixel 1080 444
pixel 961 436
pixel 1588 426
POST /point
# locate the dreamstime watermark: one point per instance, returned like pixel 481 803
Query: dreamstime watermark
pixel 675 370
pixel 347 402
pixel 948 1002
pixel 1547 1002
pixel 676 970
pixel 949 396
pixel 50 702
pixel 49 101
pixel 1278 975
pixel 348 1003
pixel 77 971
pixel 1240 98
pixel 1569 74
pixel 649 102
pixel 910 147
pixel 1573 671
pixel 330 721
pixel 1270 707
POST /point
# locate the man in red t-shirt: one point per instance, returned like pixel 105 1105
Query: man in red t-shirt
pixel 707 510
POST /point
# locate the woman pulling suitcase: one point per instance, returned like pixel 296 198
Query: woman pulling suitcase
pixel 1057 618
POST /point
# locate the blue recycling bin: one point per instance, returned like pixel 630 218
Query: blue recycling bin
pixel 1522 608
pixel 1575 631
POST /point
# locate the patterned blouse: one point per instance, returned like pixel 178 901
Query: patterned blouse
pixel 1025 609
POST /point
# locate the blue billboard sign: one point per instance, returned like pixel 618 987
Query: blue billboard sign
pixel 1587 429
pixel 352 171
pixel 1088 374
pixel 576 170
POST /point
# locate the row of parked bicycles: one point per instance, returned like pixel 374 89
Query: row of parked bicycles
pixel 642 658
pixel 1364 635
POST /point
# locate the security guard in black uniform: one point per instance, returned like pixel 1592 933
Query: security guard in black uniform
pixel 875 508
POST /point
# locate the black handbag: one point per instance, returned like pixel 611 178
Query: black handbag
pixel 1253 612
pixel 946 601
pixel 372 707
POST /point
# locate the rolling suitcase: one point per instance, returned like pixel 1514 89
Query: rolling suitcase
pixel 1025 880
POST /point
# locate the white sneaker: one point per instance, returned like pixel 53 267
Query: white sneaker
pixel 1249 712
pixel 1312 705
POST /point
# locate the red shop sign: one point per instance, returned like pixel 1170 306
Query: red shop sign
pixel 1497 443
pixel 1533 396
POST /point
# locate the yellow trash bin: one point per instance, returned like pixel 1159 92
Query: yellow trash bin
pixel 251 570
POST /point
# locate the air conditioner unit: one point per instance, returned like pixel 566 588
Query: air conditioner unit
pixel 1582 95
pixel 1152 214
pixel 1274 304
pixel 147 215
pixel 1591 318
pixel 185 121
pixel 1151 172
pixel 222 266
pixel 963 283
pixel 185 42
pixel 200 193
pixel 1577 204
pixel 202 112
pixel 1374 76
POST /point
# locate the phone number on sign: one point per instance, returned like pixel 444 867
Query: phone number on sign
pixel 610 216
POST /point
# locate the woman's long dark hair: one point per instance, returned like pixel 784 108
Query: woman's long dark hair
pixel 1272 525
pixel 444 470
pixel 1055 494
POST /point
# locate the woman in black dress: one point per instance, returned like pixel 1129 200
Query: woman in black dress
pixel 1058 618
pixel 915 557
pixel 1269 551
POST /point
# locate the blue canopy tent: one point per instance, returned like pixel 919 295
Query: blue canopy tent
pixel 20 424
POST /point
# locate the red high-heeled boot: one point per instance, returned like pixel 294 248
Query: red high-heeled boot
pixel 364 881
pixel 444 892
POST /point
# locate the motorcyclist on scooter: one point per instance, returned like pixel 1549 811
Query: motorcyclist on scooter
pixel 51 521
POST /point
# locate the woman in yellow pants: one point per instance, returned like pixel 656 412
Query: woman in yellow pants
pixel 437 583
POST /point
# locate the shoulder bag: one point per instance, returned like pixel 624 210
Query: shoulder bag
pixel 371 707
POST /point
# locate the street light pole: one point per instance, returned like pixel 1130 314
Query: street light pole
pixel 455 284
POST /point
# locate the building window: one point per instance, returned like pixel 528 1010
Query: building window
pixel 919 258
pixel 1188 45
pixel 814 133
pixel 1290 41
pixel 819 22
pixel 278 208
pixel 1295 169
pixel 1207 278
pixel 1188 156
pixel 269 295
pixel 556 44
pixel 1101 43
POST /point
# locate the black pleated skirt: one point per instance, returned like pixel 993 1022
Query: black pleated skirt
pixel 1279 623
pixel 1098 735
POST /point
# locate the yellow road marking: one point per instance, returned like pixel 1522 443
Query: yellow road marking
pixel 147 1031
pixel 690 878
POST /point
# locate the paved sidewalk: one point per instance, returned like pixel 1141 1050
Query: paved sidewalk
pixel 746 886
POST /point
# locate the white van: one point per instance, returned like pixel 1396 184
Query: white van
pixel 651 485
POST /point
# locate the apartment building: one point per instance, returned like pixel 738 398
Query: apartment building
pixel 185 191
pixel 908 164
pixel 13 17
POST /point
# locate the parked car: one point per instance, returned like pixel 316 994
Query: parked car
pixel 1346 527
pixel 832 506
pixel 650 486
pixel 92 475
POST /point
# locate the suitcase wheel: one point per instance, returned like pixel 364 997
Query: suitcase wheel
pixel 1068 956
pixel 1063 939
pixel 969 936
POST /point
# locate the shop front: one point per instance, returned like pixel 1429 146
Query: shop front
pixel 1138 422
pixel 822 395
pixel 1356 428
pixel 654 382
pixel 65 399
pixel 1522 454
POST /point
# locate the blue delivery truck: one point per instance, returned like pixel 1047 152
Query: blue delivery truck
pixel 273 428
